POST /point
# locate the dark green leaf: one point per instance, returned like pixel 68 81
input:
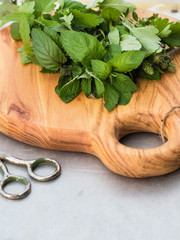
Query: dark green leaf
pixel 99 87
pixel 110 14
pixel 14 30
pixel 123 83
pixel 113 50
pixel 101 69
pixel 47 52
pixel 71 90
pixel 135 16
pixel 124 98
pixel 82 47
pixel 54 36
pixel 111 97
pixel 45 70
pixel 86 86
pixel 69 4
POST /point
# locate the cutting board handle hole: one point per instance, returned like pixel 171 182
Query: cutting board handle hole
pixel 142 140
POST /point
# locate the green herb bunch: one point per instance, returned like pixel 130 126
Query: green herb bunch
pixel 100 52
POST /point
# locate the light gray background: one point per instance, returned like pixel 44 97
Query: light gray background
pixel 88 202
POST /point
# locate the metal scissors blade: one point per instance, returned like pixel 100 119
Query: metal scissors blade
pixel 30 165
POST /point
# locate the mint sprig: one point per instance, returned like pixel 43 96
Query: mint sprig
pixel 100 52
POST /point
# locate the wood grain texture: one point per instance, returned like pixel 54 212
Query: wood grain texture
pixel 32 113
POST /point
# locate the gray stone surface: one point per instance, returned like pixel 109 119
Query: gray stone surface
pixel 88 202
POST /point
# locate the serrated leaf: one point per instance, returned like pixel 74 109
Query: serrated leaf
pixel 85 20
pixel 101 69
pixel 27 7
pixel 127 61
pixel 120 5
pixel 47 52
pixel 113 36
pixel 128 43
pixel 99 87
pixel 124 98
pixel 147 36
pixel 86 86
pixel 70 90
pixel 110 13
pixel 68 20
pixel 123 83
pixel 54 36
pixel 14 30
pixel 173 40
pixel 113 50
pixel 45 6
pixel 82 47
pixel 111 97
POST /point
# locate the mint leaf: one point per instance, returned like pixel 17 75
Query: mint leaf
pixel 127 61
pixel 113 36
pixel 44 6
pixel 47 52
pixel 7 8
pixel 54 36
pixel 128 43
pixel 124 98
pixel 70 90
pixel 113 50
pixel 147 36
pixel 69 4
pixel 85 20
pixel 68 20
pixel 14 30
pixel 86 86
pixel 27 7
pixel 24 57
pixel 110 14
pixel 99 87
pixel 82 47
pixel 111 97
pixel 101 69
pixel 120 5
pixel 173 40
pixel 45 70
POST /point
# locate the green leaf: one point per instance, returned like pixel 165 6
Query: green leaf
pixel 14 30
pixel 7 8
pixel 45 6
pixel 24 31
pixel 24 57
pixel 110 14
pixel 54 36
pixel 82 47
pixel 85 20
pixel 120 5
pixel 94 3
pixel 127 61
pixel 173 40
pixel 111 97
pixel 124 98
pixel 99 87
pixel 68 20
pixel 147 36
pixel 128 43
pixel 101 69
pixel 86 86
pixel 48 23
pixel 123 83
pixel 135 16
pixel 70 90
pixel 45 70
pixel 47 52
pixel 155 76
pixel 27 7
pixel 113 36
pixel 113 50
pixel 69 4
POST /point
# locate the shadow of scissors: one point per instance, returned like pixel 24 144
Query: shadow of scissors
pixel 30 165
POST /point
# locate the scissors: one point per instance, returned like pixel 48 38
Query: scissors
pixel 30 165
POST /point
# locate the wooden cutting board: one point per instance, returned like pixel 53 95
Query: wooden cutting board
pixel 31 112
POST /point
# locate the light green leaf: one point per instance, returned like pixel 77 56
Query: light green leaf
pixel 61 3
pixel 111 97
pixel 47 52
pixel 165 32
pixel 82 47
pixel 45 6
pixel 69 4
pixel 127 61
pixel 120 5
pixel 113 36
pixel 94 3
pixel 70 90
pixel 68 20
pixel 27 7
pixel 147 36
pixel 7 8
pixel 99 87
pixel 85 20
pixel 128 43
pixel 101 69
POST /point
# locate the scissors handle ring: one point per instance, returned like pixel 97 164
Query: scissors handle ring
pixel 46 161
pixel 11 178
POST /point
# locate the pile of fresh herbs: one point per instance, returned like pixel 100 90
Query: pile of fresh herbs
pixel 100 52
